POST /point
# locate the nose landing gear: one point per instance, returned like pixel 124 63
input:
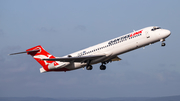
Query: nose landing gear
pixel 163 44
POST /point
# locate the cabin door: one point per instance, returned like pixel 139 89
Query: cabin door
pixel 147 34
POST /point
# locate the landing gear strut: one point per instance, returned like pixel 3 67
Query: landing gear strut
pixel 89 67
pixel 162 44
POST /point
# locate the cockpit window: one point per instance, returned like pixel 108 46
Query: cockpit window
pixel 155 28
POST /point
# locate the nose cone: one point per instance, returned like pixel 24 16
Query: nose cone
pixel 166 33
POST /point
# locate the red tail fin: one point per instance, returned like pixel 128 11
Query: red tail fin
pixel 41 54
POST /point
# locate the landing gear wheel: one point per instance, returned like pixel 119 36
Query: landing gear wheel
pixel 89 67
pixel 163 44
pixel 102 67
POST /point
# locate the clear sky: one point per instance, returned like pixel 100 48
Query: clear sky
pixel 66 26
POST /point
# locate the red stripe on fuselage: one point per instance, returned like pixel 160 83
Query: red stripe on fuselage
pixel 136 33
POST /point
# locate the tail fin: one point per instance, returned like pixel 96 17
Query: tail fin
pixel 41 54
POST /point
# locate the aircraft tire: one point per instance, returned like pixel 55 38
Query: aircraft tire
pixel 102 67
pixel 89 67
pixel 163 44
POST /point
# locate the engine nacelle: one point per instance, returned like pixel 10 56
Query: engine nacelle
pixel 53 66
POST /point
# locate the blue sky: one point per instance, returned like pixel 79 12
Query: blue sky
pixel 66 26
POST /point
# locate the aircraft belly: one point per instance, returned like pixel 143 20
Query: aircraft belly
pixel 99 60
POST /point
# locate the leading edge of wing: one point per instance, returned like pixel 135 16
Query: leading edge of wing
pixel 75 59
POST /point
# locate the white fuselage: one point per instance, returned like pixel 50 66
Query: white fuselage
pixel 119 45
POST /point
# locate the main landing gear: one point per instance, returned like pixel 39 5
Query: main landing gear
pixel 102 67
pixel 89 67
pixel 163 44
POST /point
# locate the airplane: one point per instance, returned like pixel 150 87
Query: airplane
pixel 101 53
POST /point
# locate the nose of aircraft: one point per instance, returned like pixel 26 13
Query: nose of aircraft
pixel 166 32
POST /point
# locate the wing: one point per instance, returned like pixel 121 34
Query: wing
pixel 75 59
pixel 116 59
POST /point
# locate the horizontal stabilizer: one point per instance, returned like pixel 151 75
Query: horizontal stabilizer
pixel 25 52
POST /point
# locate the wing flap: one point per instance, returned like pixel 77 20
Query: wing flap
pixel 75 59
pixel 116 59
